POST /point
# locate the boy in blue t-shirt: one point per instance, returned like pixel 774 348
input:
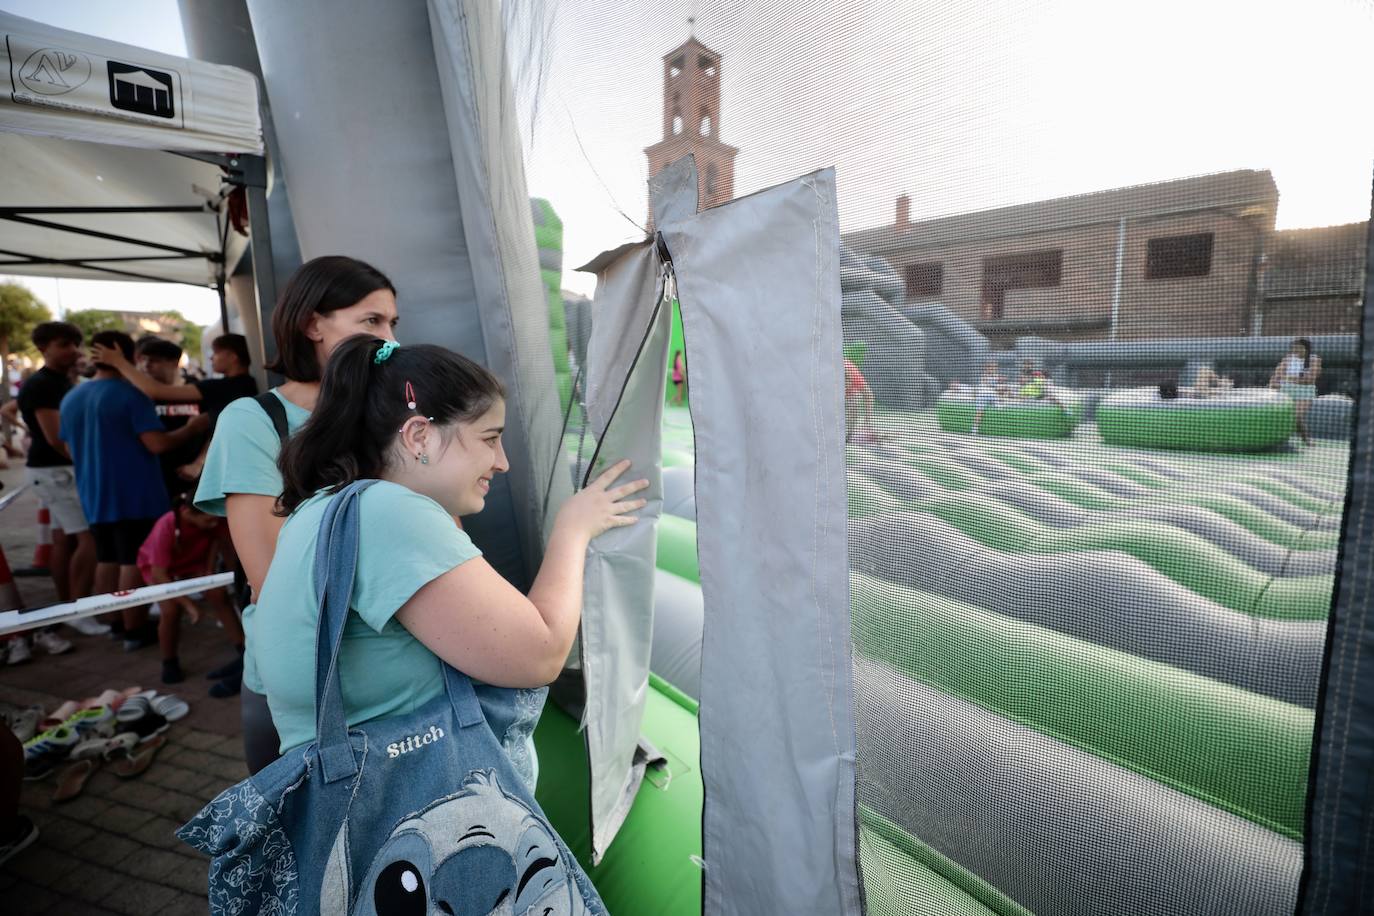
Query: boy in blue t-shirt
pixel 114 435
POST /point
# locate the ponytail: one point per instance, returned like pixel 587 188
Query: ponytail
pixel 365 399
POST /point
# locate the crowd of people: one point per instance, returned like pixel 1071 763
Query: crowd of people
pixel 114 438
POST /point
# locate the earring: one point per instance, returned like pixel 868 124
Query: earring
pixel 423 458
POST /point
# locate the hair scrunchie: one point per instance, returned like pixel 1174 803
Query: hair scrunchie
pixel 384 352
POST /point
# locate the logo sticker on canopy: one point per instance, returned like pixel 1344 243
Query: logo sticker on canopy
pixel 61 78
pixel 55 71
pixel 141 90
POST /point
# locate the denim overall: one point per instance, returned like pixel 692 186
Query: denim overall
pixel 413 814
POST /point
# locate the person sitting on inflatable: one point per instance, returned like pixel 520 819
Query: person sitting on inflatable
pixel 858 406
pixel 1208 384
pixel 990 387
pixel 1296 376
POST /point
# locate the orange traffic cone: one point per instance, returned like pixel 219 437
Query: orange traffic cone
pixel 42 551
pixel 9 592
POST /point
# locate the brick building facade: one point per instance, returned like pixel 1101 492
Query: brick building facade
pixel 1189 258
pixel 1313 281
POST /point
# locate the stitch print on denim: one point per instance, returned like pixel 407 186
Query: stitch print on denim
pixel 252 868
pixel 480 851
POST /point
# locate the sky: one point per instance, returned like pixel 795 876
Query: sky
pixel 961 104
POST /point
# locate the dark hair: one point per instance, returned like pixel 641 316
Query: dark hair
pixel 123 342
pixel 1168 390
pixel 1306 351
pixel 48 331
pixel 236 344
pixel 157 348
pixel 318 287
pixel 362 404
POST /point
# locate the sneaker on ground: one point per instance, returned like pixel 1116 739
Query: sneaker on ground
pixel 88 626
pixel 229 687
pixel 147 727
pixel 144 636
pixel 51 643
pixel 23 833
pixel 46 750
pixel 17 651
pixel 233 669
pixel 171 671
pixel 93 720
pixel 22 720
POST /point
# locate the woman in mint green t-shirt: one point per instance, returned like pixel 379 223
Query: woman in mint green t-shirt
pixel 325 301
pixel 427 423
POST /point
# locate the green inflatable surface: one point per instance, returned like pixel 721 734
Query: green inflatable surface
pixel 677 547
pixel 1189 560
pixel 1242 752
pixel 1012 418
pixel 903 876
pixel 1221 424
pixel 651 866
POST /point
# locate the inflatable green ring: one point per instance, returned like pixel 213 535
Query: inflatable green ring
pixel 1013 418
pixel 1247 420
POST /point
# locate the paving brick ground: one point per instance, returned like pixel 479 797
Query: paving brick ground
pixel 111 850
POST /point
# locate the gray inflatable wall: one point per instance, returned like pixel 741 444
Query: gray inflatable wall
pixel 432 192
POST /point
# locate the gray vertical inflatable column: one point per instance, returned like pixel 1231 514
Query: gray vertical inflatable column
pixel 399 146
pixel 758 283
pixel 220 31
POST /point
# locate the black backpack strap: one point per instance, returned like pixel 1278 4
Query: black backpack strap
pixel 270 403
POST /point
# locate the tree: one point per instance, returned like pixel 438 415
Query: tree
pixel 20 311
pixel 188 330
pixel 93 321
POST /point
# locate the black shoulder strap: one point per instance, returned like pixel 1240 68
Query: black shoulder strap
pixel 274 409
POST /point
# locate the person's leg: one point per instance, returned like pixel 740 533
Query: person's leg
pixel 130 578
pixel 59 566
pixel 1300 413
pixel 82 565
pixel 218 599
pixel 168 639
pixel 130 535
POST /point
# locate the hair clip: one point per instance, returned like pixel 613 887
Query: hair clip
pixel 410 395
pixel 384 352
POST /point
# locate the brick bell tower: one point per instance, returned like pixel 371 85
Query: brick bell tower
pixel 691 122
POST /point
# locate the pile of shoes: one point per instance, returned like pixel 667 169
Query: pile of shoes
pixel 122 730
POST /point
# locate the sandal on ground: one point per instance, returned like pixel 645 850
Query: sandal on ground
pixel 135 762
pixel 105 748
pixel 170 707
pixel 72 780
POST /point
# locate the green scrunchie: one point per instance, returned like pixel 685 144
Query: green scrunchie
pixel 384 351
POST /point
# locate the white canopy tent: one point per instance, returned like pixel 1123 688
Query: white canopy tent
pixel 124 163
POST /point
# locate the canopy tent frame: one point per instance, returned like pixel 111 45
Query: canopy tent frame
pixel 241 171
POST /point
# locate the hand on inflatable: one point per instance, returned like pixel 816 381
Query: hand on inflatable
pixel 600 507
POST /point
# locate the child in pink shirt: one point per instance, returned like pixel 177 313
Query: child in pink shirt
pixel 182 545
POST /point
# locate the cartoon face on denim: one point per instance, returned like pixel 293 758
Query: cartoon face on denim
pixel 481 852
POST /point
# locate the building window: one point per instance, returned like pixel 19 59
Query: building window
pixel 1176 256
pixel 925 280
pixel 1024 270
pixel 677 124
pixel 675 66
pixel 706 65
pixel 704 128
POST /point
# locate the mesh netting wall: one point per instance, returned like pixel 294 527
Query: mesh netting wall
pixel 1103 272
